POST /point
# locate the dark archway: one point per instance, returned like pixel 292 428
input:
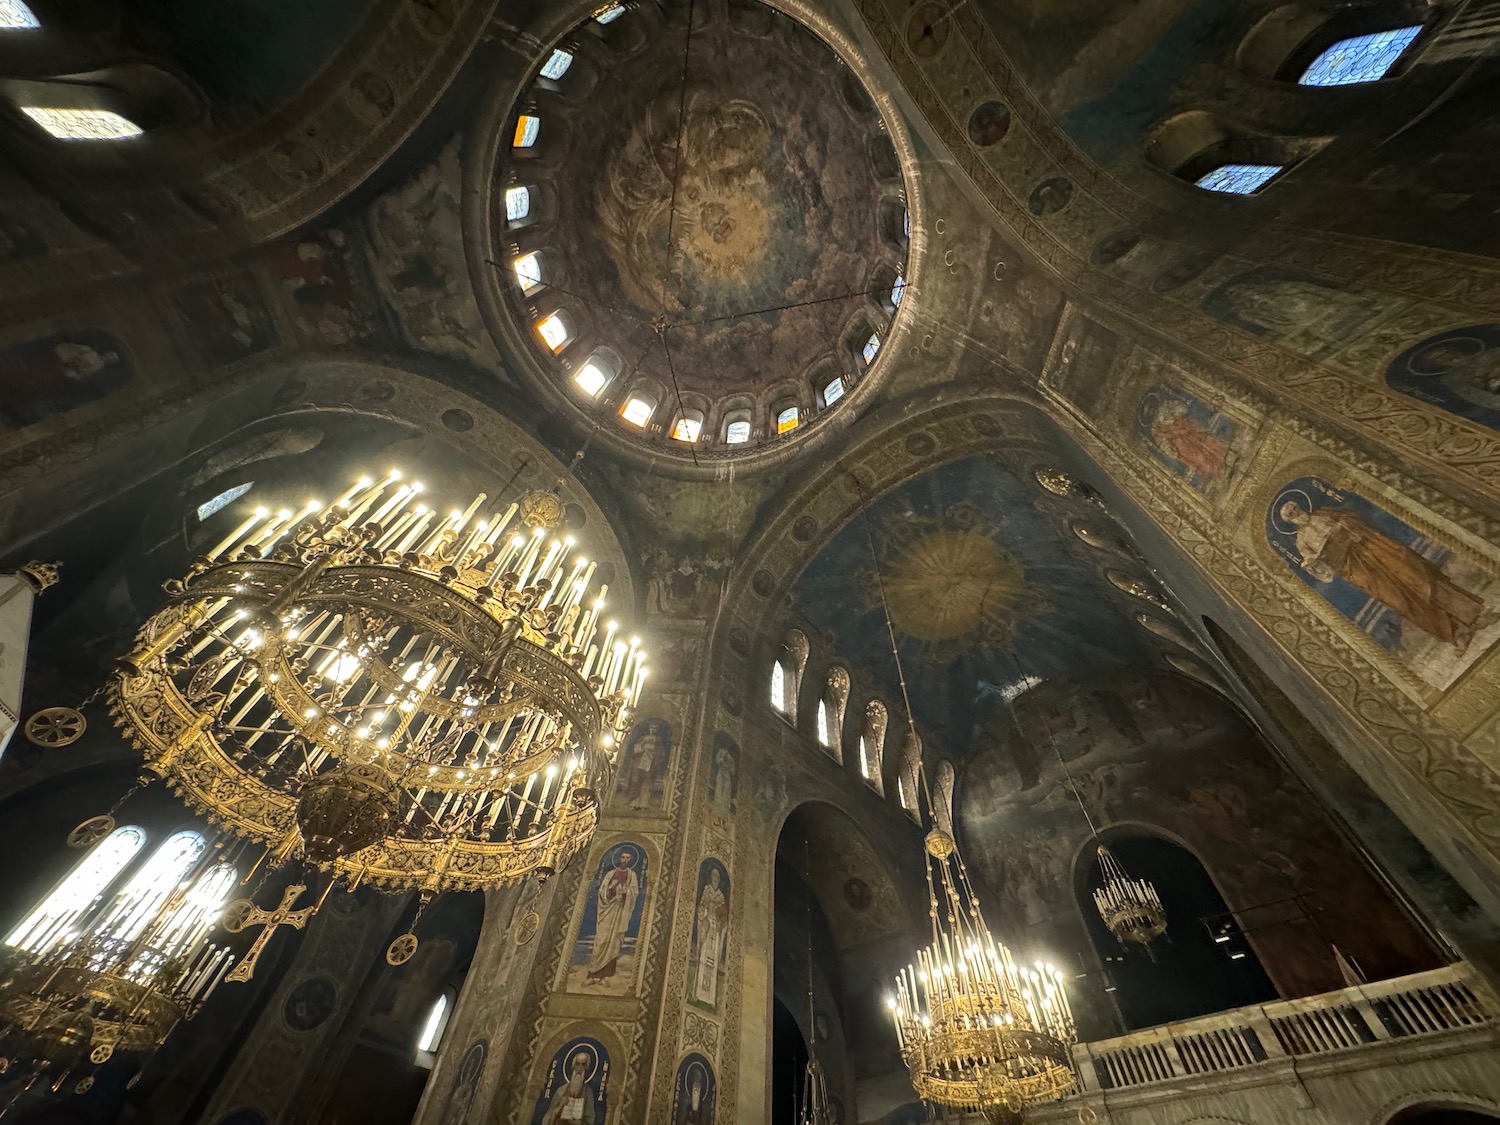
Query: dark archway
pixel 1202 964
pixel 1429 1114
pixel 788 1062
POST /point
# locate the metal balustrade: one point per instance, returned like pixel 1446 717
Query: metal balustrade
pixel 1446 999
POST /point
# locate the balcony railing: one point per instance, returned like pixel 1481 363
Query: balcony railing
pixel 1446 999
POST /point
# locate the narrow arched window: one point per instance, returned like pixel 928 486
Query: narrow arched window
pixel 16 16
pixel 437 1023
pixel 54 918
pixel 909 783
pixel 871 348
pixel 162 874
pixel 825 736
pixel 898 290
pixel 778 686
pixel 184 926
pixel 831 706
pixel 872 745
pixel 1360 58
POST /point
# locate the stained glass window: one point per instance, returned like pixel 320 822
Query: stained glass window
pixel 833 392
pixel 898 291
pixel 527 127
pixel 824 737
pixel 557 65
pixel 553 332
pixel 778 686
pixel 1239 179
pixel 872 346
pixel 687 428
pixel 637 411
pixel 591 379
pixel 609 13
pixel 83 124
pixel 517 203
pixel 54 917
pixel 786 420
pixel 906 222
pixel 15 16
pixel 528 269
pixel 1361 58
pixel 222 500
pixel 737 432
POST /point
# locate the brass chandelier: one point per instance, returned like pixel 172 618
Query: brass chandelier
pixel 77 989
pixel 420 701
pixel 978 1032
pixel 1130 908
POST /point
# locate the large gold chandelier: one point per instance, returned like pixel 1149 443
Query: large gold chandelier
pixel 979 1032
pixel 77 989
pixel 416 700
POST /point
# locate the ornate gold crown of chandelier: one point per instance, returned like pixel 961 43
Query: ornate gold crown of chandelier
pixel 80 986
pixel 1130 907
pixel 978 1031
pixel 418 700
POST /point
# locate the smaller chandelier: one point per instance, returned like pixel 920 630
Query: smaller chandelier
pixel 1130 907
pixel 72 996
pixel 817 1109
pixel 978 1031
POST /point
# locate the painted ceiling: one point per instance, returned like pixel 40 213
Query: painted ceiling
pixel 983 588
pixel 708 182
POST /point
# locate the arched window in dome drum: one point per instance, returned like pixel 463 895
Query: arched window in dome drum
pixel 517 203
pixel 871 348
pixel 1239 179
pixel 1360 58
pixel 79 889
pixel 833 391
pixel 737 427
pixel 609 13
pixel 591 378
pixel 898 290
pixel 212 507
pixel 527 127
pixel 528 269
pixel 638 410
pixel 906 222
pixel 16 16
pixel 553 331
pixel 787 419
pixel 688 426
pixel 557 64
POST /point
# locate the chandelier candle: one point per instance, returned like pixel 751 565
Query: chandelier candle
pixel 412 699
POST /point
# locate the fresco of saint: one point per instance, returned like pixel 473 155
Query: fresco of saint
pixel 1457 370
pixel 57 373
pixel 710 934
pixel 1338 544
pixel 617 895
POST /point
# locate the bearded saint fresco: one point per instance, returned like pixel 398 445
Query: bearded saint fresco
pixel 1187 436
pixel 694 1101
pixel 1303 313
pixel 57 373
pixel 1355 554
pixel 576 1086
pixel 710 935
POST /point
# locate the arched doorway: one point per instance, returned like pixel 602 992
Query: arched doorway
pixel 843 927
pixel 1439 1114
pixel 1202 964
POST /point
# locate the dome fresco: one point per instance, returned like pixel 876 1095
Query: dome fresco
pixel 719 224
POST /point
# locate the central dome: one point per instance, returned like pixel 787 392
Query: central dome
pixel 705 224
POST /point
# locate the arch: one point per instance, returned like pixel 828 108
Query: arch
pixel 1438 1107
pixel 1205 965
pixel 832 705
pixel 786 674
pixel 909 781
pixel 1215 154
pixel 165 870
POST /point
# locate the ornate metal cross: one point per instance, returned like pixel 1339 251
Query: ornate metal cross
pixel 245 913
